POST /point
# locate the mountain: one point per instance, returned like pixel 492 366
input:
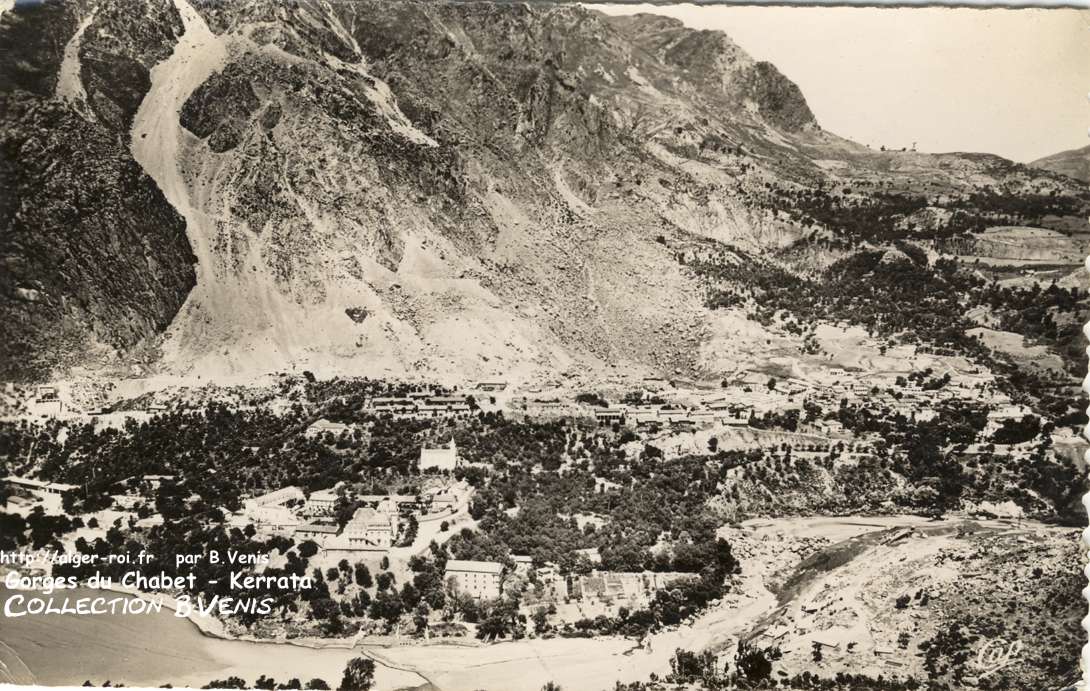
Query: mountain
pixel 1074 163
pixel 450 190
pixel 92 256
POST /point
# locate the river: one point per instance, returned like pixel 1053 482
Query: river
pixel 155 649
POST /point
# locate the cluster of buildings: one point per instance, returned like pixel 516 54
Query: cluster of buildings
pixel 906 393
pixel 646 416
pixel 486 580
pixel 288 511
pixel 375 524
pixel 370 528
pixel 45 402
pixel 419 405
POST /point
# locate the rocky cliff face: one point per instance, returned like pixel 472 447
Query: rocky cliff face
pixel 498 189
pixel 92 257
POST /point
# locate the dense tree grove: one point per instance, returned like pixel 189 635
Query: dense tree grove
pixel 877 215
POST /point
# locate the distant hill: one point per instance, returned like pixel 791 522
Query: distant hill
pixel 1074 163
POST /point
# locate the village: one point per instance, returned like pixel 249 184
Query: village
pixel 391 529
pixel 573 507
pixel 676 417
pixel 789 417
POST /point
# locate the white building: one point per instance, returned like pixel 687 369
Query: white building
pixel 524 563
pixel 478 579
pixel 321 532
pixel 390 404
pixel 274 518
pixel 372 528
pixel 37 486
pixel 610 414
pixel 443 458
pixel 323 426
pixel 320 502
pixel 278 498
pixel 403 502
pixel 441 499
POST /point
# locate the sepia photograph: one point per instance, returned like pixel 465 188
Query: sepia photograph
pixel 439 345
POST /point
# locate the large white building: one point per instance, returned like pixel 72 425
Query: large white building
pixel 443 458
pixel 323 427
pixel 324 533
pixel 478 579
pixel 372 528
pixel 274 518
pixel 37 486
pixel 321 502
pixel 277 498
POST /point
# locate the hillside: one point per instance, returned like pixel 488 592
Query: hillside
pixel 1074 163
pixel 442 190
pixel 918 602
pixel 91 254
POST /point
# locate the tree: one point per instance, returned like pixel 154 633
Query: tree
pixel 541 620
pixel 318 684
pixel 383 580
pixel 363 575
pixel 411 529
pixel 755 664
pixel 386 606
pixel 323 608
pixel 409 596
pixel 265 683
pixel 359 674
pixel 420 617
pixel 228 683
pixel 308 548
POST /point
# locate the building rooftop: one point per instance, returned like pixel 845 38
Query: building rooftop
pixel 434 400
pixel 30 482
pixel 327 528
pixel 473 566
pixel 324 424
pixel 397 498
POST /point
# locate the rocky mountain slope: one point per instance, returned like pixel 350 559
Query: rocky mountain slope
pixel 447 189
pixel 1074 163
pixel 91 254
pixel 923 602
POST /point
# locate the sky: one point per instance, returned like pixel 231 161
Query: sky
pixel 1008 82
